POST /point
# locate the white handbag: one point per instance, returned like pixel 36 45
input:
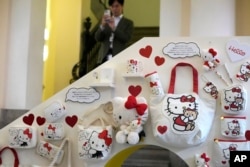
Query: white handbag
pixel 94 141
pixel 181 120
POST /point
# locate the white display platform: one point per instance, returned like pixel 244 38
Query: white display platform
pixel 80 97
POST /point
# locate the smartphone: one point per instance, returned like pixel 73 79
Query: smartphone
pixel 107 12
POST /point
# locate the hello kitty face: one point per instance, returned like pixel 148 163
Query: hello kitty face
pixel 230 125
pixel 226 151
pixel 245 68
pixel 25 135
pixel 96 143
pixel 54 112
pixel 233 94
pixel 177 105
pixel 123 115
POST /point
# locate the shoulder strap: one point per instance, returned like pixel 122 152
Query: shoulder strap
pixel 173 76
pixel 64 142
pixel 16 160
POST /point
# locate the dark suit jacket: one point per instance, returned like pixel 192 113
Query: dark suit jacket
pixel 122 35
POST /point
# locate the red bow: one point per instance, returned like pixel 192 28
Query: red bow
pixel 27 132
pixel 204 156
pixel 232 148
pixel 238 90
pixel 235 121
pixel 46 145
pixel 187 99
pixel 132 61
pixel 51 127
pixel 248 67
pixel 209 84
pixel 132 103
pixel 104 135
pixel 153 84
pixel 212 51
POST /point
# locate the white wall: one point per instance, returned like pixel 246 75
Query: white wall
pixel 4 14
pixel 25 46
pixel 206 17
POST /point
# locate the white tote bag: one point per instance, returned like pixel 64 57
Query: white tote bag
pixel 181 120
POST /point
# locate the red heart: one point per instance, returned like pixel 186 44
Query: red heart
pixel 162 129
pixel 134 90
pixel 29 119
pixel 146 52
pixel 226 132
pixel 159 60
pixel 247 134
pixel 223 162
pixel 226 107
pixel 40 120
pixel 71 120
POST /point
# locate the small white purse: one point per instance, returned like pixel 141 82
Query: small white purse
pixel 54 111
pixel 54 131
pixel 22 137
pixel 233 126
pixel 234 99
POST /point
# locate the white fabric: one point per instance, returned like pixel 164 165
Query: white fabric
pixel 162 121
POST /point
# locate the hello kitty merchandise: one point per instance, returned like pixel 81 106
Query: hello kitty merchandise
pixel 49 151
pixel 233 126
pixel 181 119
pixel 94 142
pixel 244 73
pixel 233 99
pixel 201 160
pixel 130 114
pixel 210 59
pixel 22 137
pixel 130 134
pixel 54 111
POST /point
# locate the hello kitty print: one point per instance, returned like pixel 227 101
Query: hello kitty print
pixel 22 137
pixel 94 142
pixel 182 111
pixel 233 126
pixel 233 99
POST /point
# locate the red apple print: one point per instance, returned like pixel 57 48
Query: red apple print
pixel 134 90
pixel 146 52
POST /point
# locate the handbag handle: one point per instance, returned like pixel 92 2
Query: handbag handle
pixel 173 76
pixel 16 160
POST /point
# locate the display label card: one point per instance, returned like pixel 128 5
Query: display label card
pixel 181 49
pixel 82 95
pixel 237 51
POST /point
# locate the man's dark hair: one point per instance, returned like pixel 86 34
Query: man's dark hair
pixel 119 1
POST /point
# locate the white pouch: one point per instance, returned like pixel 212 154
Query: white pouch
pixel 49 151
pixel 94 141
pixel 54 111
pixel 181 120
pixel 233 126
pixel 22 137
pixel 54 131
pixel 222 148
pixel 234 99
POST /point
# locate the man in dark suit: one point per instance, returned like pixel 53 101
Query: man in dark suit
pixel 114 32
